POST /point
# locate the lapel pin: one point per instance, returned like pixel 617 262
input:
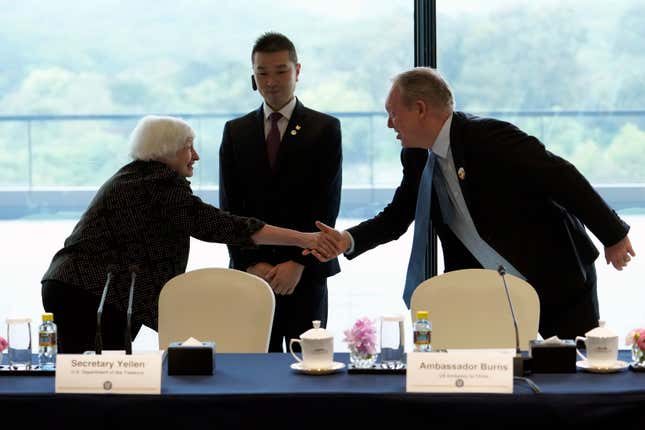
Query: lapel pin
pixel 294 132
pixel 461 173
pixel 298 127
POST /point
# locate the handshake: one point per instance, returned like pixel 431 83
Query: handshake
pixel 328 243
pixel 283 278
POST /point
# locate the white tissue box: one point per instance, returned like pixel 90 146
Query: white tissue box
pixel 191 360
pixel 553 357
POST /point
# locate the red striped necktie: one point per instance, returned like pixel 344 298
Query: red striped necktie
pixel 273 139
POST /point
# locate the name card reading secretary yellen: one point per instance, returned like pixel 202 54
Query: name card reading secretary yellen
pixel 109 374
pixel 460 371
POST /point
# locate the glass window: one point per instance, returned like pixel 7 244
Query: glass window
pixel 570 73
pixel 76 77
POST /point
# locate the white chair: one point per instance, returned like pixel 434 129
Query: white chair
pixel 469 309
pixel 234 309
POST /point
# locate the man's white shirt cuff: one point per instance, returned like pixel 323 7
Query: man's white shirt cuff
pixel 351 244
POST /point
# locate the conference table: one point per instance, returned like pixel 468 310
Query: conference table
pixel 252 390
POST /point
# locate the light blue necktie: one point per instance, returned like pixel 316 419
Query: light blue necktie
pixel 445 204
pixel 417 265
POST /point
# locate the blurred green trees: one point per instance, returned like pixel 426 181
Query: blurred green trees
pixel 113 57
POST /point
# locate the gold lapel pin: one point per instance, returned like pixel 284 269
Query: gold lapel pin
pixel 298 127
pixel 461 173
pixel 294 132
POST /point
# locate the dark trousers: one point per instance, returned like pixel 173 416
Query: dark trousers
pixel 294 313
pixel 574 316
pixel 75 316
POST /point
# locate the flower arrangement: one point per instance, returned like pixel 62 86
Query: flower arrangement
pixel 3 344
pixel 636 338
pixel 361 341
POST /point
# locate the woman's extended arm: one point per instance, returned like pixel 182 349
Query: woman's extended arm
pixel 272 235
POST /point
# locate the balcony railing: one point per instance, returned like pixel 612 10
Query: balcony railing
pixel 362 196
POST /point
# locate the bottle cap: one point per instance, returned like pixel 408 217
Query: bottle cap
pixel 422 315
pixel 48 316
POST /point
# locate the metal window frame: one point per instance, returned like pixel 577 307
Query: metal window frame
pixel 425 54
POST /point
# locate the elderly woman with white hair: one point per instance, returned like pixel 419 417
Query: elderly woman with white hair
pixel 141 220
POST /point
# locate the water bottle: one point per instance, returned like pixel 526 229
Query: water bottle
pixel 422 332
pixel 47 342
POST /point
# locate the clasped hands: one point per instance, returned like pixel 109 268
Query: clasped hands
pixel 325 245
pixel 282 278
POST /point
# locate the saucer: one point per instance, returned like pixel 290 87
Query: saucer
pixel 336 366
pixel 637 366
pixel 609 367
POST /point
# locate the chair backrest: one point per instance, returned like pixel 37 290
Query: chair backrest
pixel 234 309
pixel 469 309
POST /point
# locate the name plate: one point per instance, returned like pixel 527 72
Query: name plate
pixel 460 371
pixel 109 374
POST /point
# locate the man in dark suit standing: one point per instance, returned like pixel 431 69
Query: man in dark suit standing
pixel 495 196
pixel 283 163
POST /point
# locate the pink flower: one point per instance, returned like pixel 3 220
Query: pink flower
pixel 636 336
pixel 361 338
pixel 641 340
pixel 3 344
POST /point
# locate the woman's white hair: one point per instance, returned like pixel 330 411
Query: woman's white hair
pixel 157 137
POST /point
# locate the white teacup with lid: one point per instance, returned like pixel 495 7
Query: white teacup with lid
pixel 317 346
pixel 601 344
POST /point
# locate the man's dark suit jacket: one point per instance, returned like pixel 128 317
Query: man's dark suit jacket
pixel 527 203
pixel 393 221
pixel 305 187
